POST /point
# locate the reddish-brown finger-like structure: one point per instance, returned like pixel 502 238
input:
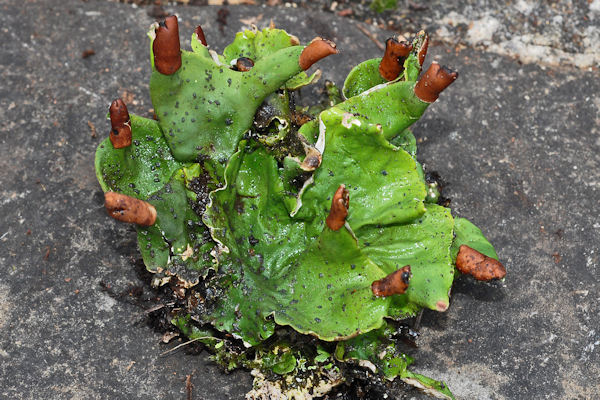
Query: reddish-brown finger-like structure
pixel 394 283
pixel 120 134
pixel 339 209
pixel 392 63
pixel 433 82
pixel 129 209
pixel 244 64
pixel 200 35
pixel 166 47
pixel 316 50
pixel 424 45
pixel 481 267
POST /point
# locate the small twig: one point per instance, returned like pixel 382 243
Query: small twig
pixel 230 2
pixel 188 342
pixel 371 36
pixel 417 323
pixel 182 344
pixel 92 128
pixel 189 386
pixel 417 7
pixel 154 308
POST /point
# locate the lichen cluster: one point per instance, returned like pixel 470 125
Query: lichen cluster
pixel 262 214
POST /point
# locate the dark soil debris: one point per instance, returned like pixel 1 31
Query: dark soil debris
pixel 222 15
pixel 87 53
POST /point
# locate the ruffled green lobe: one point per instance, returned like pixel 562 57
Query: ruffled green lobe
pixel 140 169
pixel 356 149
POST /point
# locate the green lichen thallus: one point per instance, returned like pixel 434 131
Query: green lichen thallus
pixel 305 233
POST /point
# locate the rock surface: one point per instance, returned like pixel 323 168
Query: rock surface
pixel 517 146
pixel 553 33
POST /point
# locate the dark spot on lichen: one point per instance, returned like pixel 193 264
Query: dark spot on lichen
pixel 252 240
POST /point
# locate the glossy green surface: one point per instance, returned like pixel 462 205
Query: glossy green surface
pixel 467 233
pixel 363 77
pixel 320 286
pixel 258 44
pixel 393 192
pixel 140 169
pixel 206 96
pixel 178 235
pixel 424 244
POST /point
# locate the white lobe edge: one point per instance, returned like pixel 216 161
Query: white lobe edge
pixel 320 145
pixel 215 57
pixel 368 364
pixel 307 183
pixel 347 122
pixel 349 229
pixel 152 30
pixel 376 87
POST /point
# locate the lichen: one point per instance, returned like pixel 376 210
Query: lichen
pixel 305 232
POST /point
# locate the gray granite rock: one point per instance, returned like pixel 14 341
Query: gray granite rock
pixel 517 146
